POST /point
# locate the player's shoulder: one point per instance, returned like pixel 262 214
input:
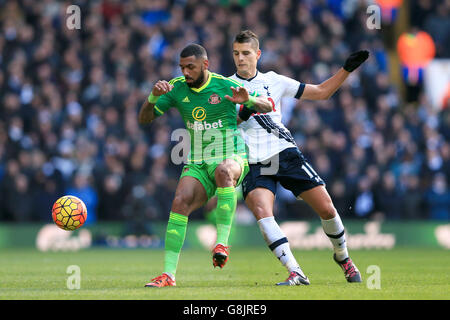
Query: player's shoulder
pixel 177 81
pixel 271 75
pixel 228 81
pixel 280 79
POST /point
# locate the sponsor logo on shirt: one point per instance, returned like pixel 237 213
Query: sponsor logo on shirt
pixel 199 113
pixel 200 126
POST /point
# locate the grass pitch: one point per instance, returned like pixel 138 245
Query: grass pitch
pixel 250 274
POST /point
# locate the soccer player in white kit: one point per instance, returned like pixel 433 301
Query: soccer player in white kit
pixel 270 143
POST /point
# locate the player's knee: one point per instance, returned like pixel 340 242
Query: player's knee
pixel 224 175
pixel 181 203
pixel 327 211
pixel 258 208
pixel 261 212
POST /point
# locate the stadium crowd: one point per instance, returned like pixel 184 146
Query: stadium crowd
pixel 69 101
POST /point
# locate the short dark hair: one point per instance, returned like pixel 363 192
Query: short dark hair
pixel 193 50
pixel 247 36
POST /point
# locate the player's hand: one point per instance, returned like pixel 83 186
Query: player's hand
pixel 355 60
pixel 161 87
pixel 240 95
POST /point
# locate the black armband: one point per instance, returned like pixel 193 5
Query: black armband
pixel 245 113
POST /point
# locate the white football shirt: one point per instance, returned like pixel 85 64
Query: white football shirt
pixel 264 133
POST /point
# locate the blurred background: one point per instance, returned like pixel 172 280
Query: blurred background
pixel 69 101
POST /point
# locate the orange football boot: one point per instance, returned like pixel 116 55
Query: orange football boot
pixel 220 256
pixel 163 280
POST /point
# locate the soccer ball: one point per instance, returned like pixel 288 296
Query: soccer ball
pixel 69 212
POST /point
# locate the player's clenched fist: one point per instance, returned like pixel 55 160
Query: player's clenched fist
pixel 161 87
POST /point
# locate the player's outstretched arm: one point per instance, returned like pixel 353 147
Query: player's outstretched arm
pixel 241 96
pixel 146 113
pixel 327 88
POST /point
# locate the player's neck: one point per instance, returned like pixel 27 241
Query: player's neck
pixel 247 75
pixel 204 80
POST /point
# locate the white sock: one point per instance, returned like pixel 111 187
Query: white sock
pixel 278 243
pixel 334 229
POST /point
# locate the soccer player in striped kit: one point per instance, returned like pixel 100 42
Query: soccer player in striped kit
pixel 270 143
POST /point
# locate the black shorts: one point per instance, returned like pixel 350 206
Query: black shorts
pixel 294 173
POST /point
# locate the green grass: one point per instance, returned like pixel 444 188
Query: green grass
pixel 250 274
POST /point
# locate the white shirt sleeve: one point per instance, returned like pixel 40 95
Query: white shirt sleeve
pixel 292 88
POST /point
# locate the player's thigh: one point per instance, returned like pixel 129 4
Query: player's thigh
pixel 227 173
pixel 260 202
pixel 319 199
pixel 189 196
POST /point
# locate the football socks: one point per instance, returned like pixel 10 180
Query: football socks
pixel 278 243
pixel 226 207
pixel 334 229
pixel 175 235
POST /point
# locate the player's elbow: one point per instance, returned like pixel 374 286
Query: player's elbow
pixel 268 108
pixel 323 93
pixel 144 120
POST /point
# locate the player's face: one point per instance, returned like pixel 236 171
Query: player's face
pixel 194 70
pixel 245 57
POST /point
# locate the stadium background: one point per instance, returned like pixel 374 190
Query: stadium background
pixel 70 98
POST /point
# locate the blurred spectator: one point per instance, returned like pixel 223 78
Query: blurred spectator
pixel 387 197
pixel 364 203
pixel 44 199
pixel 437 24
pixel 412 198
pixel 19 203
pixel 438 198
pixel 111 198
pixel 340 198
pixel 8 180
pixel 82 189
pixel 141 209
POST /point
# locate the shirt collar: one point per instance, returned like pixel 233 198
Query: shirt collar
pixel 249 79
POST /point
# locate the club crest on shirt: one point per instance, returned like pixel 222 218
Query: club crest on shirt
pixel 214 99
